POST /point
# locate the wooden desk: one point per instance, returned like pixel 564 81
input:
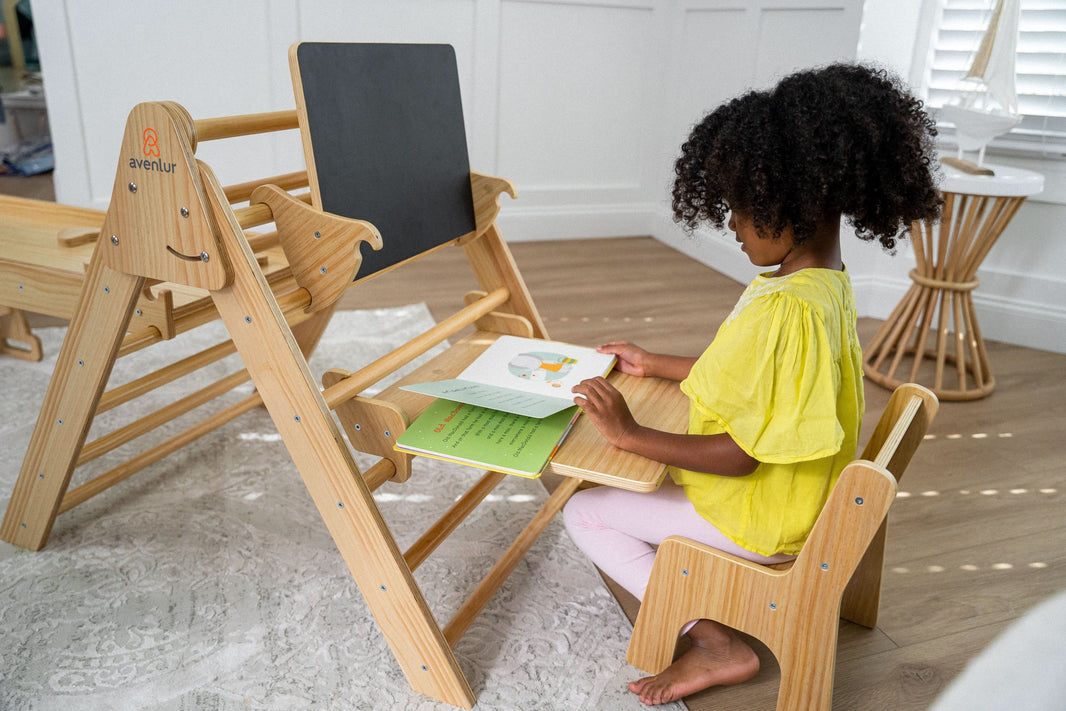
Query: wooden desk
pixel 585 454
pixel 977 208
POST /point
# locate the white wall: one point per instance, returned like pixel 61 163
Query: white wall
pixel 582 103
pixel 1022 296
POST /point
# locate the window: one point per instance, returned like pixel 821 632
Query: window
pixel 1040 69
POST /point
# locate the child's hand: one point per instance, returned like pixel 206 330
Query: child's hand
pixel 632 359
pixel 606 407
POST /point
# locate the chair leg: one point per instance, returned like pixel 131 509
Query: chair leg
pixel 862 596
pixel 808 664
pixel 674 585
pixel 654 640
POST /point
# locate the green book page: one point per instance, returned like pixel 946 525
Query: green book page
pixel 486 438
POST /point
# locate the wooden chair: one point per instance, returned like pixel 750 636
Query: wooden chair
pixel 793 609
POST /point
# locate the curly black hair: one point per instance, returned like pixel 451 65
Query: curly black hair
pixel 844 139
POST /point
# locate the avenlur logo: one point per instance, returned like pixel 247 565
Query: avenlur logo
pixel 151 149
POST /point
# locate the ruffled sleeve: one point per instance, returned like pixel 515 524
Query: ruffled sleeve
pixel 769 379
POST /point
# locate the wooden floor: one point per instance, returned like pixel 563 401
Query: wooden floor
pixel 978 535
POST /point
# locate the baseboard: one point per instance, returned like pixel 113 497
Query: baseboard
pixel 524 224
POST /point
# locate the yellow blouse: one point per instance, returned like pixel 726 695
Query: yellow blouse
pixel 783 377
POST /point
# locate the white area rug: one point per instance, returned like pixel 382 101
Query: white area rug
pixel 208 581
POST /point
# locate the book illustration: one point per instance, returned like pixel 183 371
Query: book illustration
pixel 541 367
pixel 486 438
pixel 523 376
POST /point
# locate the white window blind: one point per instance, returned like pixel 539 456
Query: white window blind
pixel 1040 68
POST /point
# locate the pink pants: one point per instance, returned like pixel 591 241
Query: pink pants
pixel 619 530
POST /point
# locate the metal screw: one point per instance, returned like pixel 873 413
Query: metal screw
pixel 107 289
pixel 358 427
pixel 317 234
pixel 132 187
pixel 388 434
pixel 60 421
pixel 685 571
pixel 297 418
pixel 138 312
pixel 384 589
pixel 184 211
pixel 340 504
pixel 425 668
pixel 247 319
pixel 205 257
pixel 773 605
pixel 323 270
pixel 825 566
pixel 858 500
pixel 41 475
pixel 81 362
pixel 114 239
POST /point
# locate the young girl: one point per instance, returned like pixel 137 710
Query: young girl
pixel 776 400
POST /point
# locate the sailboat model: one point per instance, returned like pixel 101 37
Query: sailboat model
pixel 990 108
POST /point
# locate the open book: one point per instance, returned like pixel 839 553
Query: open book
pixel 509 410
pixel 523 376
pixel 487 438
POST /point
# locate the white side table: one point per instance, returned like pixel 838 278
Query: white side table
pixel 977 208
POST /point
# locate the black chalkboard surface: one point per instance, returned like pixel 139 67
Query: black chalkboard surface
pixel 386 130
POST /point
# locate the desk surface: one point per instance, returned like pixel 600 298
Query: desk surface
pixel 584 454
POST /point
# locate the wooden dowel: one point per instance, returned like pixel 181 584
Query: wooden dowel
pixel 917 246
pixel 242 191
pixel 905 334
pixel 982 354
pixel 941 340
pixel 492 582
pixel 378 474
pixel 960 339
pixel 262 242
pixel 987 241
pixel 946 230
pixel 921 332
pixel 136 340
pixel 363 378
pixel 964 240
pixel 456 514
pixel 260 214
pixel 168 374
pixel 896 337
pixel 244 125
pixel 127 469
pixel 296 300
pixel 930 245
pixel 133 430
pixel 292 303
pixel 970 322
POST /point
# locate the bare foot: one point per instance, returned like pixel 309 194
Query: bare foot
pixel 718 657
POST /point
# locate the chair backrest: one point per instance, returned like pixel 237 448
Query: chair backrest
pixel 855 511
pixel 901 428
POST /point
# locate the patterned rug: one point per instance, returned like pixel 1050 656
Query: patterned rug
pixel 208 581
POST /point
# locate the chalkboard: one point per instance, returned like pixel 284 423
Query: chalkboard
pixel 385 123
